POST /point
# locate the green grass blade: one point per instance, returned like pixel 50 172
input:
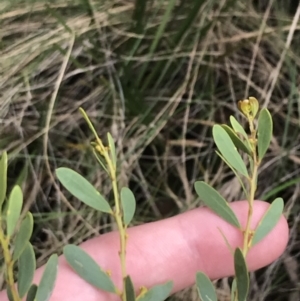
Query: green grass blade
pixel 161 68
pixel 158 36
pixel 212 199
pixel 139 15
pixel 60 19
pixel 279 188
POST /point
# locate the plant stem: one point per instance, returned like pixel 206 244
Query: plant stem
pixel 118 214
pixel 9 266
pixel 248 233
pixel 118 217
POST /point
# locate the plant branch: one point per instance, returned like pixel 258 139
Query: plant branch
pixel 117 215
pixel 9 263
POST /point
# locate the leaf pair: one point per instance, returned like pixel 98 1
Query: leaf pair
pixel 241 284
pixel 156 293
pixel 24 253
pixel 42 292
pixel 88 269
pixel 213 200
pixel 20 240
pixel 206 289
pixel 228 141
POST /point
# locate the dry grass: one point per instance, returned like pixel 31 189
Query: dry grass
pixel 158 90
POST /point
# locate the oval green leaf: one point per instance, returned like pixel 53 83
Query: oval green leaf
pixel 241 275
pixel 23 235
pixel 112 148
pixel 158 292
pixel 239 144
pixel 82 189
pixel 205 287
pixel 32 293
pixel 129 289
pixel 212 199
pixel 237 127
pixel 3 177
pixel 128 205
pixel 87 268
pixel 15 203
pixel 27 266
pixel 268 221
pixel 264 132
pixel 233 290
pixel 46 286
pixel 228 150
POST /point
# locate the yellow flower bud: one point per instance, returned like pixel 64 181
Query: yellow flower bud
pixel 254 105
pixel 249 107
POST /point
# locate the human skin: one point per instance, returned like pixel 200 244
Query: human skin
pixel 171 249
